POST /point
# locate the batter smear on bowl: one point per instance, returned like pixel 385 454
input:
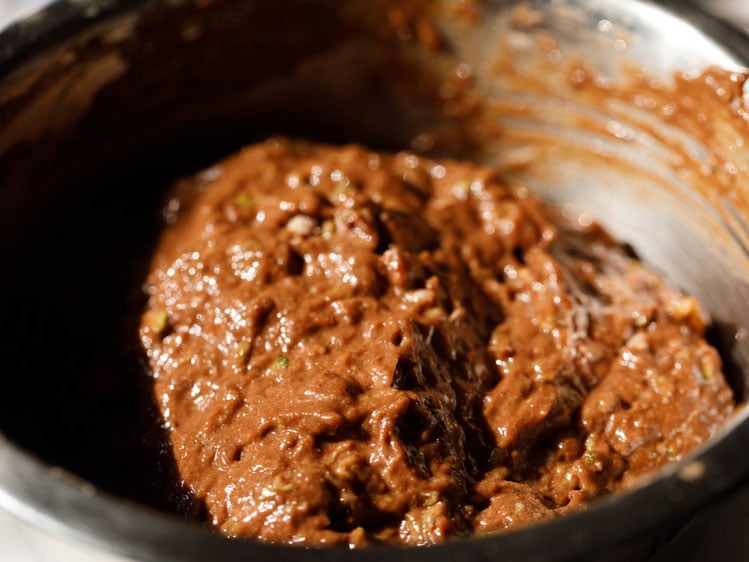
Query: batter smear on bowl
pixel 350 347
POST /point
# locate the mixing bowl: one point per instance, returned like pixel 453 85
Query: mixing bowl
pixel 610 109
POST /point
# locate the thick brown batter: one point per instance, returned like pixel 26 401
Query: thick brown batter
pixel 350 347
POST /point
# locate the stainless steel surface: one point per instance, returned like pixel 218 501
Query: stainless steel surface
pixel 729 518
pixel 735 11
pixel 21 542
pixel 14 9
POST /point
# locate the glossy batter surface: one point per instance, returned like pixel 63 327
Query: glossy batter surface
pixel 350 347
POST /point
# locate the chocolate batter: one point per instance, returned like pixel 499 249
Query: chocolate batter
pixel 350 347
